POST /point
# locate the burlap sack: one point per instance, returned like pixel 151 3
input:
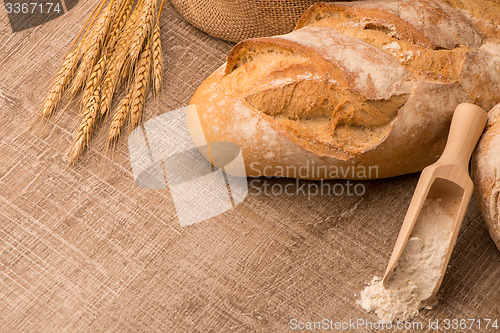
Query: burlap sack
pixel 234 20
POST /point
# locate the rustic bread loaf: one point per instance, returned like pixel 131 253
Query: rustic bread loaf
pixel 359 90
pixel 486 174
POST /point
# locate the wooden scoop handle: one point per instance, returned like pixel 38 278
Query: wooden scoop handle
pixel 467 126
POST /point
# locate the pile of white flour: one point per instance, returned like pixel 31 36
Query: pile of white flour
pixel 417 271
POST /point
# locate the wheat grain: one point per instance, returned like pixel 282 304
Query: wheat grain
pixel 86 127
pixel 140 85
pixel 119 118
pixel 157 60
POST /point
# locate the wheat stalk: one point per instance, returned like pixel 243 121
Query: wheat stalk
pixel 92 49
pixel 140 85
pixel 87 123
pixel 119 40
pixel 143 29
pixel 116 69
pixel 135 36
pixel 157 60
pixel 133 102
pixel 68 69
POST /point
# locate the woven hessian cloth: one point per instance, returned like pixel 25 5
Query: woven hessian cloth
pixel 235 20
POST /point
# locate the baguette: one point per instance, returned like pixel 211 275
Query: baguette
pixel 358 90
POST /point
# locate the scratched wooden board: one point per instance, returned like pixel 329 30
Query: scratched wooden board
pixel 83 249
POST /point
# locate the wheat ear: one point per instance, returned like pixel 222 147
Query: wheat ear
pixel 116 71
pixel 134 38
pixel 94 80
pixel 140 85
pixel 143 29
pixel 87 123
pixel 93 49
pixel 118 25
pixel 68 69
pixel 157 60
pixel 61 83
pixel 119 118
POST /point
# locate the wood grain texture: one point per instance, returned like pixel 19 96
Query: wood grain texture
pixel 83 249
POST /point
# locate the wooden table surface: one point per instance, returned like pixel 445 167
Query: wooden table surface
pixel 84 249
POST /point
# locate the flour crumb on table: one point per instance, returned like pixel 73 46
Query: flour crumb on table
pixel 418 269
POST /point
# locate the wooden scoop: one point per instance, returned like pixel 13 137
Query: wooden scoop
pixel 447 179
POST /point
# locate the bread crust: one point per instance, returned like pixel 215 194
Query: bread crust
pixel 425 22
pixel 340 100
pixel 486 174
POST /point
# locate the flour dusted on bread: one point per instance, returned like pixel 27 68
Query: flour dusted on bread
pixel 369 84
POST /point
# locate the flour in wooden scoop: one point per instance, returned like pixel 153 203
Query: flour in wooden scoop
pixel 417 271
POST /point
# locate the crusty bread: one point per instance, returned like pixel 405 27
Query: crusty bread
pixel 486 174
pixel 485 14
pixel 359 90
